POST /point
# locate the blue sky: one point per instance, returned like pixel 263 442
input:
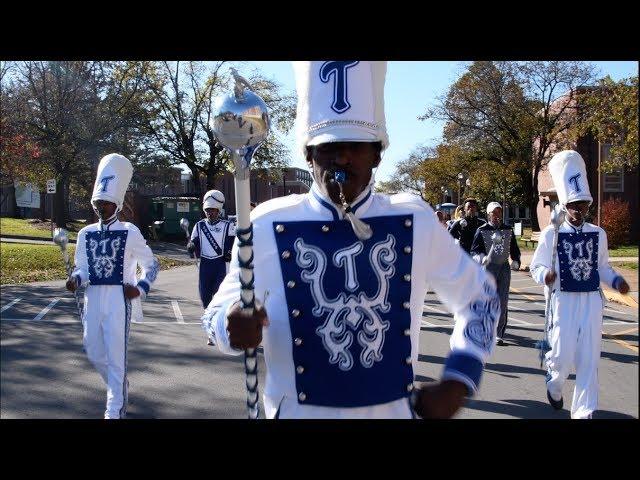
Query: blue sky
pixel 410 88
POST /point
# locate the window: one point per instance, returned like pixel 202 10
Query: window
pixel 523 212
pixel 613 181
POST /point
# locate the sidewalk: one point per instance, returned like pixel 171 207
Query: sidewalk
pixel 166 249
pixel 24 239
pixel 631 276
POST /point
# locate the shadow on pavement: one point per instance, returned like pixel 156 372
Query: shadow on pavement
pixel 45 374
pixel 518 408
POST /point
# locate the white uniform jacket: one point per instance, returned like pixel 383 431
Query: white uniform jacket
pixel 345 314
pixel 579 258
pixel 109 257
pixel 213 241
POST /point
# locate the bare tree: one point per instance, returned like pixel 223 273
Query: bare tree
pixel 179 113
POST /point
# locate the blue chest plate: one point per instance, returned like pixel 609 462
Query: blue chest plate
pixel 578 255
pixel 105 255
pixel 348 303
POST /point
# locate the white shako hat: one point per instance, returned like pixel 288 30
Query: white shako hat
pixel 492 206
pixel 569 176
pixel 340 101
pixel 113 177
pixel 213 199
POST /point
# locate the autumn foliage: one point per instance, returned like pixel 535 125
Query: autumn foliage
pixel 616 219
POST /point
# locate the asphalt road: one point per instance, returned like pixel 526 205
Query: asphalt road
pixel 174 374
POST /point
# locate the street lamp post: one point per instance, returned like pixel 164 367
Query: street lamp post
pixel 284 182
pixel 460 178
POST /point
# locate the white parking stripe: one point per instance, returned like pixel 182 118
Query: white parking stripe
pixel 518 309
pixel 176 311
pixel 511 318
pixel 10 304
pixel 46 309
pixel 435 309
pixel 427 324
pixel 167 323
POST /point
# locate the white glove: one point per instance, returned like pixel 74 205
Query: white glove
pixel 485 261
pixel 515 265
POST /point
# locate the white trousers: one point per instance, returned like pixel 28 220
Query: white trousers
pixel 107 318
pixel 575 339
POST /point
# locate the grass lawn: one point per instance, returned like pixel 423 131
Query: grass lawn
pixel 35 228
pixel 630 265
pixel 23 263
pixel 624 251
pixel 526 233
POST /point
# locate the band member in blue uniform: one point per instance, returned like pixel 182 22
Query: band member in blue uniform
pixel 211 240
pixel 108 254
pixel 498 262
pixel 577 302
pixel 342 273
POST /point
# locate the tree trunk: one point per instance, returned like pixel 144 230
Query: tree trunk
pixel 43 206
pixel 196 181
pixel 212 174
pixel 59 210
pixel 534 198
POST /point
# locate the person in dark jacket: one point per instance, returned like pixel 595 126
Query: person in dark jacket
pixel 497 263
pixel 464 229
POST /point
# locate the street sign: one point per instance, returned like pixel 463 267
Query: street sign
pixel 51 186
pixel 517 229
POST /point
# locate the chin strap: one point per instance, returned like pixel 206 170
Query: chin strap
pixel 362 230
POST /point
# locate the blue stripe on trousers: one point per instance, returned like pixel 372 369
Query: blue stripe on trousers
pixel 127 324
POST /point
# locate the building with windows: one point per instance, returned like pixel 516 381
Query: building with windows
pixel 620 184
pixel 265 184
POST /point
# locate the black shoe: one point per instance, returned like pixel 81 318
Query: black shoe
pixel 500 342
pixel 556 404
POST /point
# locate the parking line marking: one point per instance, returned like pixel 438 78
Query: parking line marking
pixel 633 348
pixel 511 318
pixel 435 309
pixel 167 323
pixel 622 332
pixel 177 312
pixel 10 304
pixel 521 293
pixel 46 309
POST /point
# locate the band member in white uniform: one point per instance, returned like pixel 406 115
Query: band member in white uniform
pixel 345 270
pixel 582 262
pixel 107 256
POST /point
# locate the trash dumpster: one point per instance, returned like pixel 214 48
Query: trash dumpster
pixel 167 212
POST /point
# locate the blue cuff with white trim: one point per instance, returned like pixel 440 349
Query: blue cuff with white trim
pixel 144 285
pixel 464 368
pixel 616 281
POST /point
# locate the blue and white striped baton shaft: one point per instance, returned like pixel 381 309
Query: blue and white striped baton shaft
pixel 67 264
pixel 244 233
pixel 545 343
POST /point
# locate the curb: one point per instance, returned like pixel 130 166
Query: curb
pixel 24 237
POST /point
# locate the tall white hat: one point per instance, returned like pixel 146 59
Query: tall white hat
pixel 569 176
pixel 340 101
pixel 112 179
